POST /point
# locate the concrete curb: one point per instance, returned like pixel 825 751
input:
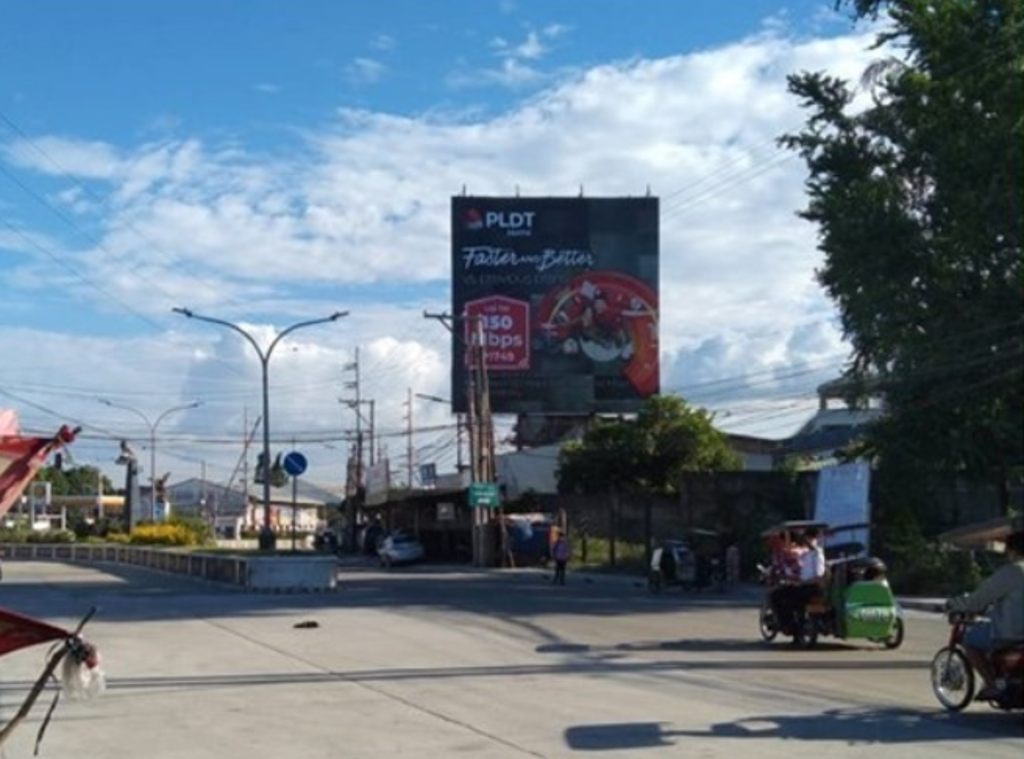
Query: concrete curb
pixel 934 605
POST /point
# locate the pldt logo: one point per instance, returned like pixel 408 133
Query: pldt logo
pixel 514 223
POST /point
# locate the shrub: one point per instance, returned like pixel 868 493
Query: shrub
pixel 917 565
pixel 165 534
pixel 51 536
pixel 14 534
pixel 176 531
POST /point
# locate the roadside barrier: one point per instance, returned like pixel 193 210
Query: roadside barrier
pixel 289 574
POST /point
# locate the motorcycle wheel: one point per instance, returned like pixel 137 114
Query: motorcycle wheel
pixel 896 639
pixel 768 623
pixel 952 679
pixel 806 633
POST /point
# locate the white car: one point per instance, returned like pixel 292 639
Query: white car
pixel 400 548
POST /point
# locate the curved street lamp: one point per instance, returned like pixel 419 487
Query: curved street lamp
pixel 152 425
pixel 267 539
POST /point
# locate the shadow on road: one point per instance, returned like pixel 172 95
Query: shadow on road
pixel 849 726
pixel 136 594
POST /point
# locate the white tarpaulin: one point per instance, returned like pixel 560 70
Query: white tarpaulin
pixel 842 500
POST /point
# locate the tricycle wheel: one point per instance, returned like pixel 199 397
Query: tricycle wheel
pixel 768 623
pixel 896 639
pixel 952 679
pixel 806 633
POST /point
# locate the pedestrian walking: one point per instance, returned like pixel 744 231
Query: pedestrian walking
pixel 560 552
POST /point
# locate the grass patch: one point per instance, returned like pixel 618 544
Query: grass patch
pixel 595 555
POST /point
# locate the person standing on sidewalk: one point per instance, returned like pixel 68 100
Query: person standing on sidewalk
pixel 560 552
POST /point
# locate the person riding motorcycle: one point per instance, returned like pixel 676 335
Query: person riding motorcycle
pixel 790 600
pixel 1001 599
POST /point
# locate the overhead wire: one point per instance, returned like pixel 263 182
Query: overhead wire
pixel 680 205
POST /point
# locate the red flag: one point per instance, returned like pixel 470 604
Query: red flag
pixel 18 631
pixel 21 457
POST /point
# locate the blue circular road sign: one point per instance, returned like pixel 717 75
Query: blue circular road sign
pixel 295 463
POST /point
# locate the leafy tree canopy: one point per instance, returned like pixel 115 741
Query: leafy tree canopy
pixel 647 454
pixel 915 187
pixel 74 481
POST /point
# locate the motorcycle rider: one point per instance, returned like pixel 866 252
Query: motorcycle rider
pixel 1001 599
pixel 790 600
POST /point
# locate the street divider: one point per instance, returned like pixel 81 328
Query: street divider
pixel 275 574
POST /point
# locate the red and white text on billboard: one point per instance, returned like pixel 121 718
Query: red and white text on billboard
pixel 504 326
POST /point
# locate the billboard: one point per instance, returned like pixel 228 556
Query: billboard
pixel 564 294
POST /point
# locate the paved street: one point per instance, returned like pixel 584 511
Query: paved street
pixel 434 663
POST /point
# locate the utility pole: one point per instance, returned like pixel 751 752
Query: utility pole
pixel 459 424
pixel 245 462
pixel 356 404
pixel 480 430
pixel 206 512
pixel 485 445
pixel 485 420
pixel 409 457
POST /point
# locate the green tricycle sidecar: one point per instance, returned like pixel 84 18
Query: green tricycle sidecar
pixel 854 603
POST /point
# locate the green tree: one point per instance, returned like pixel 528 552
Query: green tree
pixel 81 480
pixel 918 199
pixel 650 453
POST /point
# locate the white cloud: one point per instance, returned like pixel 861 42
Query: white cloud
pixel 365 71
pixel 383 42
pixel 81 158
pixel 518 64
pixel 356 217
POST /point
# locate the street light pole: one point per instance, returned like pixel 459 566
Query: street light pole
pixel 267 539
pixel 152 440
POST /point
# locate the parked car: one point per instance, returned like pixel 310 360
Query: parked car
pixel 400 548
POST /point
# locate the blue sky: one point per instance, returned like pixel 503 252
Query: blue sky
pixel 267 162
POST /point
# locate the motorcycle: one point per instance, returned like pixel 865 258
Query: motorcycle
pixel 854 603
pixel 954 679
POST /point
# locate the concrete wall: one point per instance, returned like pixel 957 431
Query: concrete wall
pixel 257 573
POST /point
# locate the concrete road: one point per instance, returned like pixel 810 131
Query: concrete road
pixel 437 663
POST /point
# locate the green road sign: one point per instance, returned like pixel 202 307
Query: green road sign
pixel 484 494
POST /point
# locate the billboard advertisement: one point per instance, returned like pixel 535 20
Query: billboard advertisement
pixel 562 294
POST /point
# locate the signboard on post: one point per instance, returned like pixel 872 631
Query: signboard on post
pixel 485 495
pixel 295 463
pixel 565 294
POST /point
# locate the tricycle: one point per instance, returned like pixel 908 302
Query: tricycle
pixel 75 660
pixel 692 562
pixel 854 600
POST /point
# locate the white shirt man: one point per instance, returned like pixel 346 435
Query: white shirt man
pixel 812 562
